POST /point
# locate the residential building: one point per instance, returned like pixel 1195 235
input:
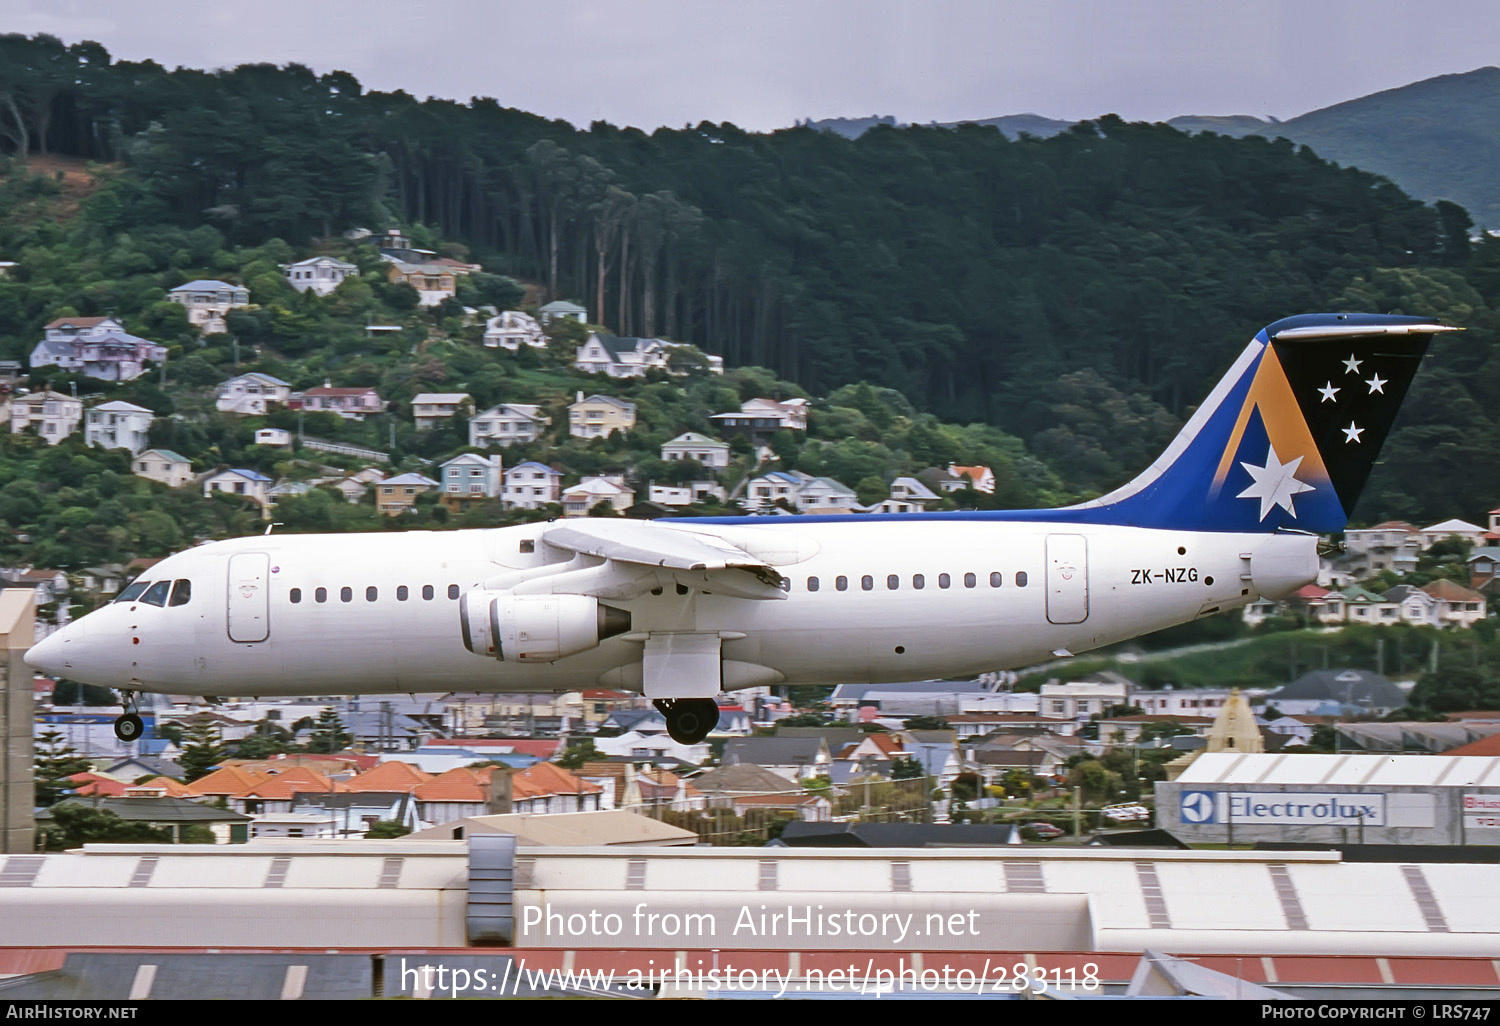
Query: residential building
pixel 252 394
pixel 512 329
pixel 1391 545
pixel 276 438
pixel 782 485
pixel 1346 693
pixel 398 494
pixel 171 469
pixel 430 409
pixel 599 415
pixel 97 347
pixel 532 485
pixel 591 491
pixel 118 425
pixel 506 424
pixel 1453 604
pixel 692 446
pixel 685 495
pixel 434 281
pixel 762 418
pixel 561 309
pixel 618 357
pixel 793 758
pixel 1078 700
pixel 52 415
pixel 957 478
pixel 250 484
pixel 547 787
pixel 355 403
pixel 469 477
pixel 320 274
pixel 207 301
pixel 908 495
pixel 1472 534
pixel 825 495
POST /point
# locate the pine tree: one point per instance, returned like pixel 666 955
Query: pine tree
pixel 203 749
pixel 328 733
pixel 56 761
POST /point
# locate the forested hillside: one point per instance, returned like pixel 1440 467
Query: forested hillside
pixel 1080 291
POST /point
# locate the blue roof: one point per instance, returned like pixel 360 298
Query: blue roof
pixel 206 285
pixel 536 466
pixel 253 475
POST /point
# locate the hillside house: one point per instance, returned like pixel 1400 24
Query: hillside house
pixel 252 394
pixel 431 409
pixel 118 425
pixel 469 477
pixel 207 301
pixel 396 495
pixel 908 495
pixel 355 403
pixel 276 438
pixel 321 274
pixel 250 484
pixel 512 329
pixel 96 347
pixel 435 281
pixel 762 418
pixel 766 490
pixel 163 465
pixel 561 309
pixel 957 478
pixel 620 357
pixel 599 415
pixel 825 495
pixel 685 495
pixel 1391 545
pixel 1471 534
pixel 706 451
pixel 532 485
pixel 591 491
pixel 52 415
pixel 506 424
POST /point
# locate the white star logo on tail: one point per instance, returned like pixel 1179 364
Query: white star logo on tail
pixel 1274 484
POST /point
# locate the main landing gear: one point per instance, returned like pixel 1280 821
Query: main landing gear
pixel 129 727
pixel 688 719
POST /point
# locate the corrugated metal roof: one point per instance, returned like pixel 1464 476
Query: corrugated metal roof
pixel 1369 770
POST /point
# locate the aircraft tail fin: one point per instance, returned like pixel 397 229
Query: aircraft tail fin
pixel 1288 437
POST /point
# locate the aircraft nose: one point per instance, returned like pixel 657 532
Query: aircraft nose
pixel 50 655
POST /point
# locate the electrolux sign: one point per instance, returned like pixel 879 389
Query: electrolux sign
pixel 1300 808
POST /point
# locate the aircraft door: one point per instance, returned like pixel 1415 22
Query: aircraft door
pixel 1067 578
pixel 249 596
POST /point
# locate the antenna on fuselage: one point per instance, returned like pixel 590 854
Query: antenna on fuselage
pixel 271 527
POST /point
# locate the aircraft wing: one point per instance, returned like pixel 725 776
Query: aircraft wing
pixel 692 558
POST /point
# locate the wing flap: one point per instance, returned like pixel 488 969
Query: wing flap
pixel 694 559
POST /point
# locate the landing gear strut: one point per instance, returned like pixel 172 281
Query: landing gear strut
pixel 688 719
pixel 129 727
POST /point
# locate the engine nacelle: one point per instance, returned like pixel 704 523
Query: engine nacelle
pixel 536 628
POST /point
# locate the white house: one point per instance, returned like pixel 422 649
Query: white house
pixel 1078 700
pixel 320 274
pixel 52 415
pixel 430 409
pixel 97 347
pixel 760 418
pixel 532 485
pixel 252 394
pixel 588 493
pixel 765 490
pixel 469 476
pixel 355 403
pixel 908 495
pixel 164 465
pixel 692 446
pixel 278 438
pixel 250 484
pixel 620 357
pixel 512 329
pixel 208 300
pixel 561 309
pixel 957 478
pixel 825 495
pixel 118 425
pixel 507 423
pixel 685 495
pixel 1473 534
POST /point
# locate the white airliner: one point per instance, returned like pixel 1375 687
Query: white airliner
pixel 685 609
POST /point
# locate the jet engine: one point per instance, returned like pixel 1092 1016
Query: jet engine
pixel 536 628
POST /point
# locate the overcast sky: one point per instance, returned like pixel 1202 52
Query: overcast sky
pixel 762 64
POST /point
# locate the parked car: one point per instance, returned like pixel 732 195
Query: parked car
pixel 1043 831
pixel 1127 812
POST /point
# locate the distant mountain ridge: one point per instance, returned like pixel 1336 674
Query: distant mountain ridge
pixel 1439 139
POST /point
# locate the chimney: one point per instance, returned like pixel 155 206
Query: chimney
pixel 497 791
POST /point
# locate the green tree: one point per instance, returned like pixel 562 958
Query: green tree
pixel 387 828
pixel 203 749
pixel 56 761
pixel 328 734
pixel 74 824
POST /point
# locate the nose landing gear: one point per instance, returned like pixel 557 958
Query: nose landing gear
pixel 689 720
pixel 129 727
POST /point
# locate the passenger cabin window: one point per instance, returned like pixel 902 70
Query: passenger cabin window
pixel 453 591
pixel 402 593
pixel 156 595
pixel 996 578
pixel 867 582
pixel 970 580
pixel 1020 578
pixel 944 580
pixel 893 582
pixel 295 595
pixel 371 594
pixel 182 593
pixel 841 583
pixel 812 584
pixel 321 594
pixel 133 591
pixel 918 581
pixel 427 591
pixel 346 594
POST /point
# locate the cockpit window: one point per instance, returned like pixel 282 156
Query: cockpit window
pixel 182 593
pixel 156 595
pixel 133 591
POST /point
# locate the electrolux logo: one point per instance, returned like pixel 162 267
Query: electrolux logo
pixel 1198 806
pixel 1305 809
